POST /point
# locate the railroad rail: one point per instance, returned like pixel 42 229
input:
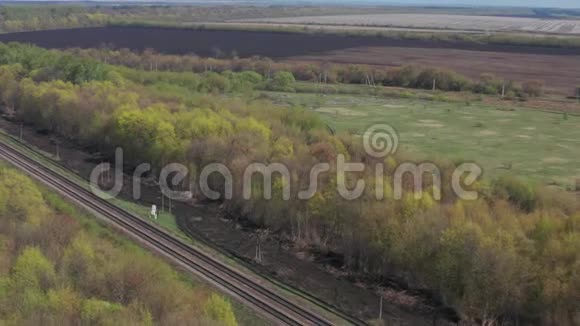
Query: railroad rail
pixel 271 305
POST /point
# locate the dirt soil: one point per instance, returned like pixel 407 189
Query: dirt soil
pixel 298 268
pixel 558 68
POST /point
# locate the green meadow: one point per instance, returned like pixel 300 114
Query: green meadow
pixel 502 140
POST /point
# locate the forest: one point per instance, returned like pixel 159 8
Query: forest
pixel 60 267
pixel 512 256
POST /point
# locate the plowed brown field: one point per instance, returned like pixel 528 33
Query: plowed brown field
pixel 559 73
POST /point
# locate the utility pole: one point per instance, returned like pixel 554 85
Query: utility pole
pixel 258 248
pixel 109 176
pixel 434 84
pixel 101 170
pixel 161 188
pixel 260 234
pixel 503 90
pixel 381 309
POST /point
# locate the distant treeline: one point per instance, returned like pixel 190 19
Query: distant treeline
pixel 555 13
pixel 408 76
pixel 35 16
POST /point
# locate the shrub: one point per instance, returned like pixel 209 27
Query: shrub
pixel 533 88
pixel 488 84
pixel 516 191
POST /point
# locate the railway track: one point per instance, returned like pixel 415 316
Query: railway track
pixel 271 305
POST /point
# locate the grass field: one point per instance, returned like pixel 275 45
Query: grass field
pixel 540 145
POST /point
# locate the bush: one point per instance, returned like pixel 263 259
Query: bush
pixel 516 191
pixel 533 88
pixel 488 84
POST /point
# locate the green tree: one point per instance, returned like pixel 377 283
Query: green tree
pixel 20 198
pixel 99 312
pixel 64 304
pixel 283 81
pixel 32 275
pixel 220 310
pixel 32 270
